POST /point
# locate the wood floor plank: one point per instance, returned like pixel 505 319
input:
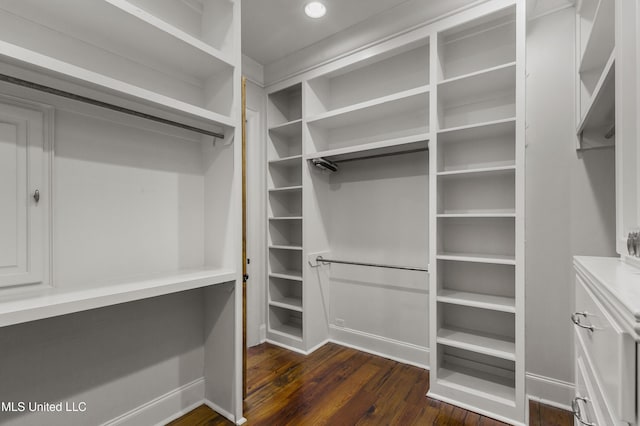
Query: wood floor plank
pixel 339 386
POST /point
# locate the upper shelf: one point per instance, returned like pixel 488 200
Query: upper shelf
pixel 369 111
pixel 118 53
pixel 600 39
pixel 466 88
pixel 44 64
pixel 599 112
pixel 45 303
pixel 127 29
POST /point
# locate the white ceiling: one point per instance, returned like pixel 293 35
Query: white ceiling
pixel 274 29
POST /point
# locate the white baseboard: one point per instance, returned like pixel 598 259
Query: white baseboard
pixel 165 408
pixel 396 350
pixel 548 391
pixel 262 331
pixel 223 412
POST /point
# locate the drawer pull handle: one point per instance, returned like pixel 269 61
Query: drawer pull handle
pixel 575 407
pixel 575 318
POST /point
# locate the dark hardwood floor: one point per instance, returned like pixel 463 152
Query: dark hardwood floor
pixel 341 386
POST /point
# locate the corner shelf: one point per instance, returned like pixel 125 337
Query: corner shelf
pixel 477 300
pixel 487 344
pixel 51 302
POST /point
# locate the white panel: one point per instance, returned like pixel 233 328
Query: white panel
pixel 12 191
pixel 22 172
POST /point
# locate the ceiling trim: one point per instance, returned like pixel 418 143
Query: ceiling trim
pixel 550 12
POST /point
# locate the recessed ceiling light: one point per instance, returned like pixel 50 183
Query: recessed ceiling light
pixel 315 9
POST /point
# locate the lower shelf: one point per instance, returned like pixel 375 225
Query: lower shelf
pixel 285 322
pixel 483 384
pixel 31 305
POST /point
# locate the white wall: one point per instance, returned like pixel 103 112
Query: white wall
pixel 569 205
pixel 114 359
pixel 378 212
pixel 256 202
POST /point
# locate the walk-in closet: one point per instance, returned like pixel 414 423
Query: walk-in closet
pixel 296 212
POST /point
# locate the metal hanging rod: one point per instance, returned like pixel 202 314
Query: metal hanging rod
pixel 321 259
pixel 68 95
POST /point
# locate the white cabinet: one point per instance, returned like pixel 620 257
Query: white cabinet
pixel 24 191
pixel 606 319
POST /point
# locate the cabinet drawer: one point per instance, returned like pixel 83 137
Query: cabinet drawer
pixel 608 352
pixel 588 404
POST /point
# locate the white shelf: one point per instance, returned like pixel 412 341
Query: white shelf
pixel 476 300
pixel 44 64
pixel 598 114
pixel 477 258
pixel 45 303
pixel 478 130
pixel 485 83
pixel 477 215
pixel 600 40
pixel 482 343
pixel 392 146
pixel 287 275
pixel 153 36
pixel 288 129
pixel 290 161
pixel 288 303
pixel 483 170
pixel 284 247
pixel 373 110
pixel 296 188
pixel 478 383
pixel 287 330
pixel 286 218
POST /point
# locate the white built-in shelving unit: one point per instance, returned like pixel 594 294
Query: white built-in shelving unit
pixel 138 209
pixel 454 88
pixel 596 57
pixel 284 154
pixel 130 66
pixel 477 288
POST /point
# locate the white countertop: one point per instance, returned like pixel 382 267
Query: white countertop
pixel 615 281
